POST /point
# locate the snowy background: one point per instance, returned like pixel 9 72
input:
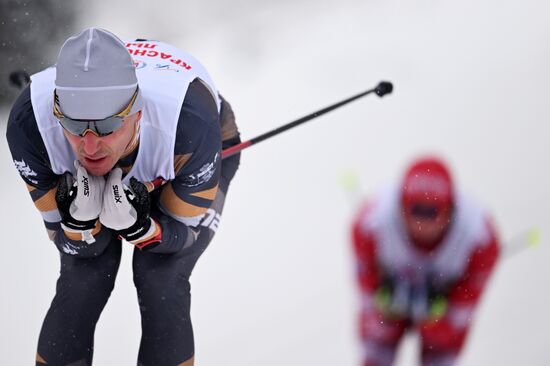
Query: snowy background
pixel 276 285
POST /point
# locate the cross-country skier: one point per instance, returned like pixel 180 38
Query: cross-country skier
pixel 95 138
pixel 424 252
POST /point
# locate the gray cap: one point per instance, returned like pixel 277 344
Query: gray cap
pixel 96 77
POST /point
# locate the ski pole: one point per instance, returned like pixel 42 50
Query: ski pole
pixel 527 239
pixel 19 79
pixel 383 88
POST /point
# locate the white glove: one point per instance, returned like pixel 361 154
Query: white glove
pixel 126 210
pixel 79 201
pixel 89 195
pixel 117 212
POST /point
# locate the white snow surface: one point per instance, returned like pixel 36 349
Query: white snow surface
pixel 276 286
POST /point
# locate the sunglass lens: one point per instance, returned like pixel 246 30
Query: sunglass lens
pixel 74 127
pixel 107 126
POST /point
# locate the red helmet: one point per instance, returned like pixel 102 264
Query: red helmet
pixel 427 184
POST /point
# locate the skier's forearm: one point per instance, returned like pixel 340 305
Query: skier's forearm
pixel 79 248
pixel 175 235
pixel 368 275
pixel 67 242
pixel 182 205
pixel 469 288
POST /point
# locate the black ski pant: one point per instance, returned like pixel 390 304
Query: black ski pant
pixel 162 283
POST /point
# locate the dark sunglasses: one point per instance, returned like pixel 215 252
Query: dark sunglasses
pixel 100 127
pixel 424 211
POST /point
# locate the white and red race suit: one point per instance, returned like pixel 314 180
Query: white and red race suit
pixel 410 279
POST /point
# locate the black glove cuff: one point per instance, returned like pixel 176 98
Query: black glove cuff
pixel 78 225
pixel 137 230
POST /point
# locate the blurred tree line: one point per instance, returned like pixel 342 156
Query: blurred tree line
pixel 31 33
